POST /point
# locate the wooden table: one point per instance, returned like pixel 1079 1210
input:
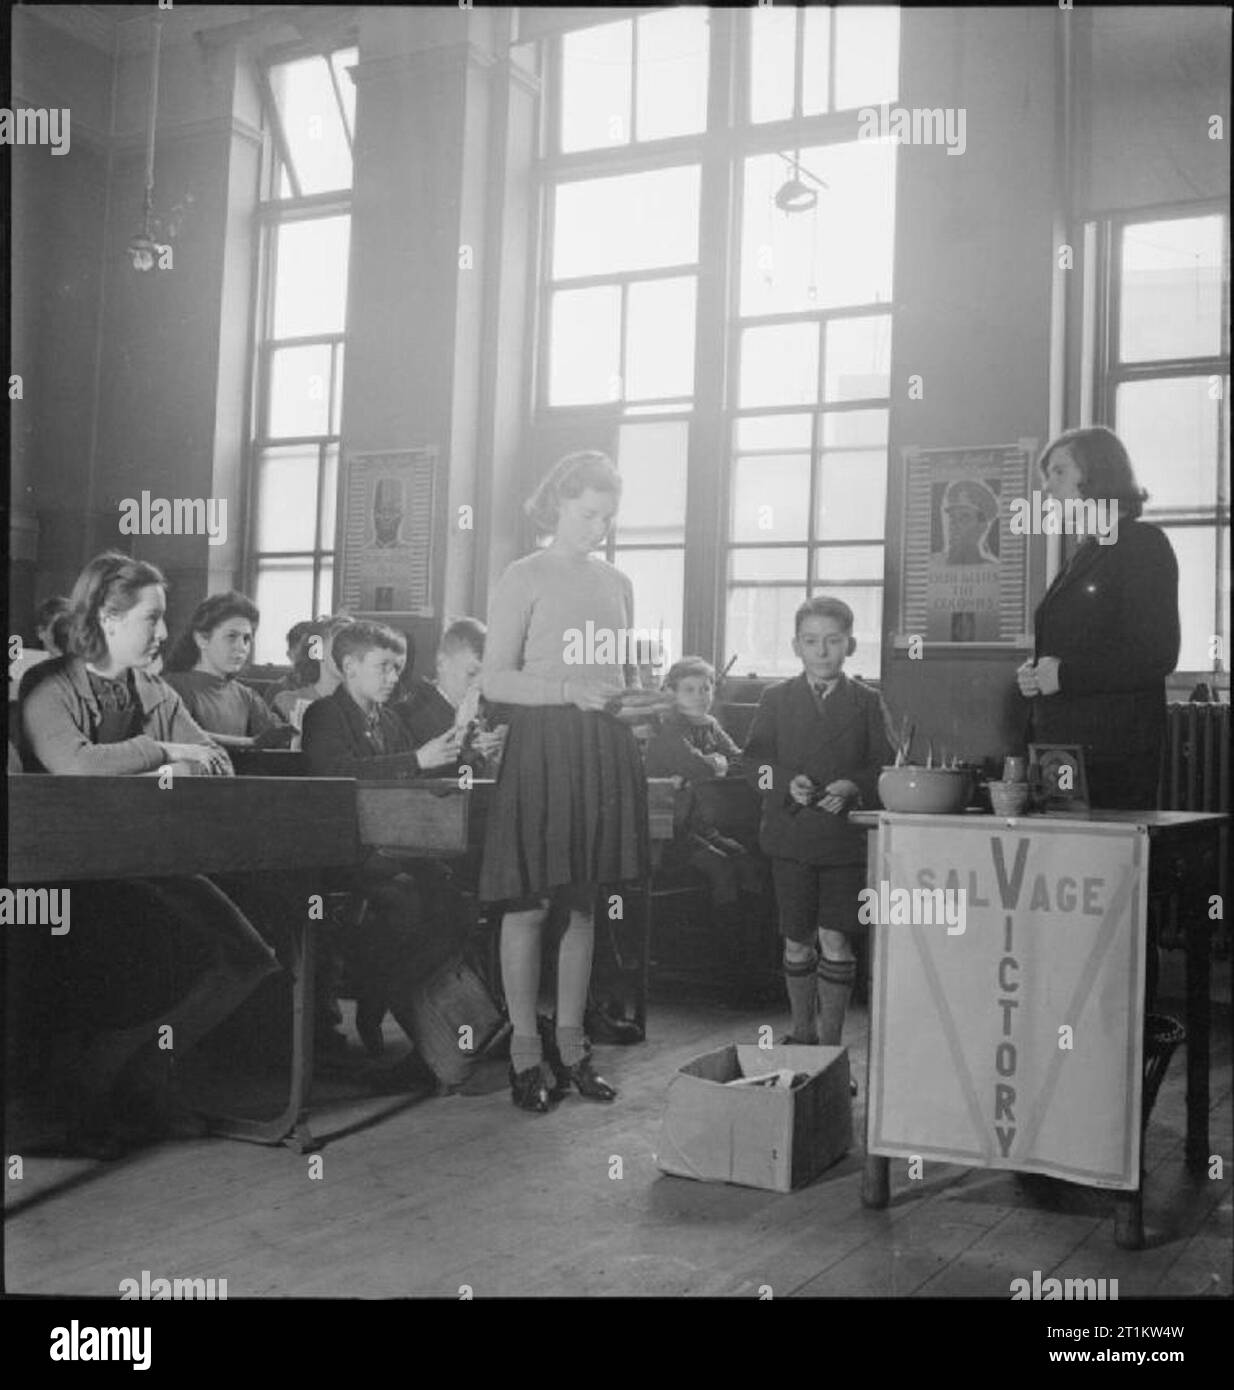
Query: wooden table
pixel 1182 861
pixel 65 829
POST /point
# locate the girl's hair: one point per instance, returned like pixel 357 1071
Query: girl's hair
pixel 1105 468
pixel 571 477
pixel 689 666
pixel 209 614
pixel 110 584
pixel 49 610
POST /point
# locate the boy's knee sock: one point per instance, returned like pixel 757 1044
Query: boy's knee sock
pixel 835 985
pixel 526 1052
pixel 799 980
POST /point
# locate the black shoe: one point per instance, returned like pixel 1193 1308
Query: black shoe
pixel 585 1077
pixel 605 1029
pixel 528 1091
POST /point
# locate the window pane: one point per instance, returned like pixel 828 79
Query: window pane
pixel 766 565
pixel 329 499
pixel 672 73
pixel 771 498
pixel 779 364
pixel 299 390
pixel 1170 428
pixel 312 124
pixel 1171 289
pixel 814 61
pixel 858 362
pixel 310 290
pixel 660 339
pixel 1196 548
pixel 838 254
pixel 595 87
pixel 584 344
pixel 651 459
pixel 287 499
pixel 658 577
pixel 842 564
pixel 773 47
pixel 284 595
pixel 325 588
pixel 867 56
pixel 852 496
pixel 629 222
pixel 342 60
pixel 758 627
pixel 771 432
pixel 854 428
pixel 867 606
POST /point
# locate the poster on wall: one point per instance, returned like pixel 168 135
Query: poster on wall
pixel 1009 1034
pixel 386 533
pixel 964 572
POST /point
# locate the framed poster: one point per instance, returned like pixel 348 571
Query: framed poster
pixel 963 572
pixel 1056 774
pixel 386 533
pixel 1016 1041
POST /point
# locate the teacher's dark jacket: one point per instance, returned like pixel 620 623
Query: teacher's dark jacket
pixel 1111 619
pixel 848 738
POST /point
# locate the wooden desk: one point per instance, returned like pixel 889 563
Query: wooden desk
pixel 1182 859
pixel 66 829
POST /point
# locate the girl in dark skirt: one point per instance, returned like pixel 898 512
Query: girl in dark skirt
pixel 570 807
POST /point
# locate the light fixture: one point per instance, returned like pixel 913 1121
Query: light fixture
pixel 795 194
pixel 143 250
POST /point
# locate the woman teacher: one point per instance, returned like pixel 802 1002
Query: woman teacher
pixel 1107 632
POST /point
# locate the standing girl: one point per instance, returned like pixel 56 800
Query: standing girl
pixel 570 807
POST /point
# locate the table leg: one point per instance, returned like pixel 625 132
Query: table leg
pixel 291 1126
pixel 1198 1021
pixel 876 1182
pixel 1129 1219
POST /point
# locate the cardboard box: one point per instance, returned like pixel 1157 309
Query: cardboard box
pixel 754 1135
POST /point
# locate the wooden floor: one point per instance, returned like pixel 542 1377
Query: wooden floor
pixel 466 1190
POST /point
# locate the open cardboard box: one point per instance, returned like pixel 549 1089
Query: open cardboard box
pixel 757 1136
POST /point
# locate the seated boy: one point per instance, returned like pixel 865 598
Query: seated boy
pixel 433 708
pixel 353 733
pixel 815 750
pixel 691 745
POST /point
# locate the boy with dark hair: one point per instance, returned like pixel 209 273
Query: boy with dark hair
pixel 453 700
pixel 815 750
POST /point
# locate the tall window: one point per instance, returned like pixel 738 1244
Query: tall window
pixel 1167 396
pixel 305 236
pixel 799 382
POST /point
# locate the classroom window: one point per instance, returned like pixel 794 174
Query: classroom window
pixel 305 235
pixel 638 80
pixel 1167 398
pixel 812 60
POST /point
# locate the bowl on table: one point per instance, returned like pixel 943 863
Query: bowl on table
pixel 1009 798
pixel 938 791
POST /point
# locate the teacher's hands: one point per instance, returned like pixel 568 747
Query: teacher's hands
pixel 1039 678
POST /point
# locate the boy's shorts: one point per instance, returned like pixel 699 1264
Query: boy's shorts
pixel 810 896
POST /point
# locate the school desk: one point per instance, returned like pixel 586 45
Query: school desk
pixel 66 829
pixel 1016 1043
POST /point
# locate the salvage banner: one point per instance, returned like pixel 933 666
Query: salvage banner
pixel 1015 1041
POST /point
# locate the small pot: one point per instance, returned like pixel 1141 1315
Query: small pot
pixel 1009 798
pixel 937 791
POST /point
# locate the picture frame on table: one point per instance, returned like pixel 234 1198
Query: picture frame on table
pixel 1058 778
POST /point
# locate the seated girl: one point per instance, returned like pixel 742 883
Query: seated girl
pixel 203 667
pixel 317 649
pixel 97 712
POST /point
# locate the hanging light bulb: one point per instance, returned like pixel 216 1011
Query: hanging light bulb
pixel 143 250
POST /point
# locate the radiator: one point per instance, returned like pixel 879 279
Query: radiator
pixel 1195 776
pixel 1195 771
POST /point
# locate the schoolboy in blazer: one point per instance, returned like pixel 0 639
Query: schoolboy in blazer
pixel 814 753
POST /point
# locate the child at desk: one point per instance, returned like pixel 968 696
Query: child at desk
pixel 815 750
pixel 204 665
pixel 97 712
pixel 691 746
pixel 354 733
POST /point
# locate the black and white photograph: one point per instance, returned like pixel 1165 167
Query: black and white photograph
pixel 545 544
